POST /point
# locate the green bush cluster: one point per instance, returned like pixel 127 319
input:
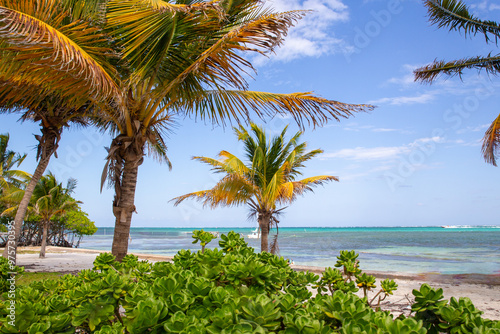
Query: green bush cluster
pixel 226 290
pixel 8 272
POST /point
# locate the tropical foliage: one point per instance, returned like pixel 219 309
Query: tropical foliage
pixel 456 15
pixel 52 67
pixel 10 177
pixel 49 199
pixel 265 181
pixel 226 290
pixel 140 63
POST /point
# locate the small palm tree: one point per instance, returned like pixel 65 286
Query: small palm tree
pixel 456 16
pixel 50 198
pixel 265 181
pixel 9 159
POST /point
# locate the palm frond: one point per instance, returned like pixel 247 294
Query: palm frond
pixel 427 74
pixel 456 16
pixel 491 142
pixel 305 108
pixel 44 47
pixel 232 164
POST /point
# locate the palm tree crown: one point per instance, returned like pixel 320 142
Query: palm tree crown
pixel 267 179
pixel 455 15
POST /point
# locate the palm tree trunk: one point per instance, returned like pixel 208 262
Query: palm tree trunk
pixel 10 250
pixel 123 207
pixel 264 222
pixel 44 239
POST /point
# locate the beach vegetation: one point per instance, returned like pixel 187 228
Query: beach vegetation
pixel 203 237
pixel 219 291
pixel 457 16
pixel 265 180
pixel 52 203
pixel 50 199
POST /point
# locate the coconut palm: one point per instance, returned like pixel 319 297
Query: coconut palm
pixel 49 199
pixel 9 159
pixel 189 61
pixel 265 181
pixel 183 58
pixel 51 69
pixel 455 15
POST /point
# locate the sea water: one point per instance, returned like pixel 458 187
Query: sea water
pixel 455 250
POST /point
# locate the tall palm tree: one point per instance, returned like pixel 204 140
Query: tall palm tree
pixel 455 15
pixel 9 159
pixel 53 69
pixel 188 60
pixel 265 181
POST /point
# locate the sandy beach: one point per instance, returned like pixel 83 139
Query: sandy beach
pixel 483 290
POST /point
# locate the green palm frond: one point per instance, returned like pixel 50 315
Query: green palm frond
pixel 456 16
pixel 427 74
pixel 491 142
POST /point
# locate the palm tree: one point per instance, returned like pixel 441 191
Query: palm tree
pixel 265 181
pixel 9 159
pixel 158 59
pixel 52 71
pixel 455 15
pixel 49 199
pixel 188 60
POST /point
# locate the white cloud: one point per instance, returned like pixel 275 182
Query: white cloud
pixel 402 100
pixel 408 77
pixel 312 35
pixel 386 153
pixel 363 153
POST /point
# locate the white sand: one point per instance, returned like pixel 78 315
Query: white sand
pixel 483 290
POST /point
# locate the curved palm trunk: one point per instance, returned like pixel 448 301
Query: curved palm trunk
pixel 48 146
pixel 123 206
pixel 264 224
pixel 44 239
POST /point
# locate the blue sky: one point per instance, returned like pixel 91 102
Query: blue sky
pixel 414 160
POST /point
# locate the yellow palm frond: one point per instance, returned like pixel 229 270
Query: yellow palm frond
pixel 290 190
pixel 305 108
pixel 233 163
pixel 230 190
pixel 41 46
pixel 491 142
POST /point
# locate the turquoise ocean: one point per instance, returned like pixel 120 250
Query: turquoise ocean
pixel 453 250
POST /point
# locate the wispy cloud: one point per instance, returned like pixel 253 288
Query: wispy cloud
pixel 404 100
pixel 380 153
pixel 356 128
pixel 364 153
pixel 312 36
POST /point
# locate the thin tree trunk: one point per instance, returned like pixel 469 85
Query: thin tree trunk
pixel 44 239
pixel 124 207
pixel 10 250
pixel 264 221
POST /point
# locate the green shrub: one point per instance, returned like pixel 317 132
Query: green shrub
pixel 227 290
